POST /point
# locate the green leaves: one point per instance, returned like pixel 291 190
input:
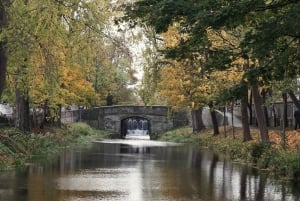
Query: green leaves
pixel 219 59
pixel 235 92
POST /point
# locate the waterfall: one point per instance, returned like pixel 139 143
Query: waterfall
pixel 137 126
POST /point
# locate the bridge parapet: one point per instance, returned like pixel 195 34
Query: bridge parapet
pixel 147 110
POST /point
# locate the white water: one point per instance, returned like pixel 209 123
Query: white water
pixel 138 136
pixel 137 132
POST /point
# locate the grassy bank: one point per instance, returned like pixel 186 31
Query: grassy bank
pixel 17 148
pixel 284 163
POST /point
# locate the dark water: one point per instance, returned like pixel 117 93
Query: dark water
pixel 132 170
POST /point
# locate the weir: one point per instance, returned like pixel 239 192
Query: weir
pixel 136 125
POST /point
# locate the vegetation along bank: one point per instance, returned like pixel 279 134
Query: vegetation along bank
pixel 282 162
pixel 16 148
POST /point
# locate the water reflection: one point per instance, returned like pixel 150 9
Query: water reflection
pixel 141 171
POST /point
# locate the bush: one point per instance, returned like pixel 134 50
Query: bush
pixel 79 129
pixel 82 129
pixel 257 150
pixel 181 135
pixel 283 163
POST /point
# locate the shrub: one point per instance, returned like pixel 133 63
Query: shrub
pixel 257 150
pixel 19 147
pixel 293 164
pixel 80 129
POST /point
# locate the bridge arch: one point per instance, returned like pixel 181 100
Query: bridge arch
pixel 140 125
pixel 112 118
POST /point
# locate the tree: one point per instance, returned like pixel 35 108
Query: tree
pixel 217 15
pixel 199 72
pixel 51 54
pixel 179 90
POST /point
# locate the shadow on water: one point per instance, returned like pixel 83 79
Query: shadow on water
pixel 142 170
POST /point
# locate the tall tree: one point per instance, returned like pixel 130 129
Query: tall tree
pixel 260 18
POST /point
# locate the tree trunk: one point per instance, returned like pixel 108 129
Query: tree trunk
pixel 59 115
pixel 284 116
pixel 225 121
pixel 260 116
pixel 294 99
pixel 285 111
pixel 3 57
pixel 265 107
pixel 214 119
pixel 232 122
pixel 245 119
pixel 197 121
pixel 274 116
pixel 45 114
pixel 250 109
pixel 22 112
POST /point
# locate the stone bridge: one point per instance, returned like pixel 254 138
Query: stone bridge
pixel 119 119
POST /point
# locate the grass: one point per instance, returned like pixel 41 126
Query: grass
pixel 17 148
pixel 270 156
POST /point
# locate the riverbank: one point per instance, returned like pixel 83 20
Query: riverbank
pixel 17 148
pixel 283 163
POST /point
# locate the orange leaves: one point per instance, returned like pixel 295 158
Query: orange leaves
pixel 181 87
pixel 292 138
pixel 76 88
pixel 172 37
pixel 171 86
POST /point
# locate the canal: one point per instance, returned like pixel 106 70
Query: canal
pixel 141 170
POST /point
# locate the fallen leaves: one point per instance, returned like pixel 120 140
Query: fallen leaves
pixel 292 138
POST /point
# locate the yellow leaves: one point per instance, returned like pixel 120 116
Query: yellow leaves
pixel 76 87
pixel 171 87
pixel 172 37
pixel 184 86
pixel 181 88
pixel 203 88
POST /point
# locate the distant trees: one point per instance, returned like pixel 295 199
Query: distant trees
pixel 254 42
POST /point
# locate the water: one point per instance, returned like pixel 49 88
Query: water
pixel 141 170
